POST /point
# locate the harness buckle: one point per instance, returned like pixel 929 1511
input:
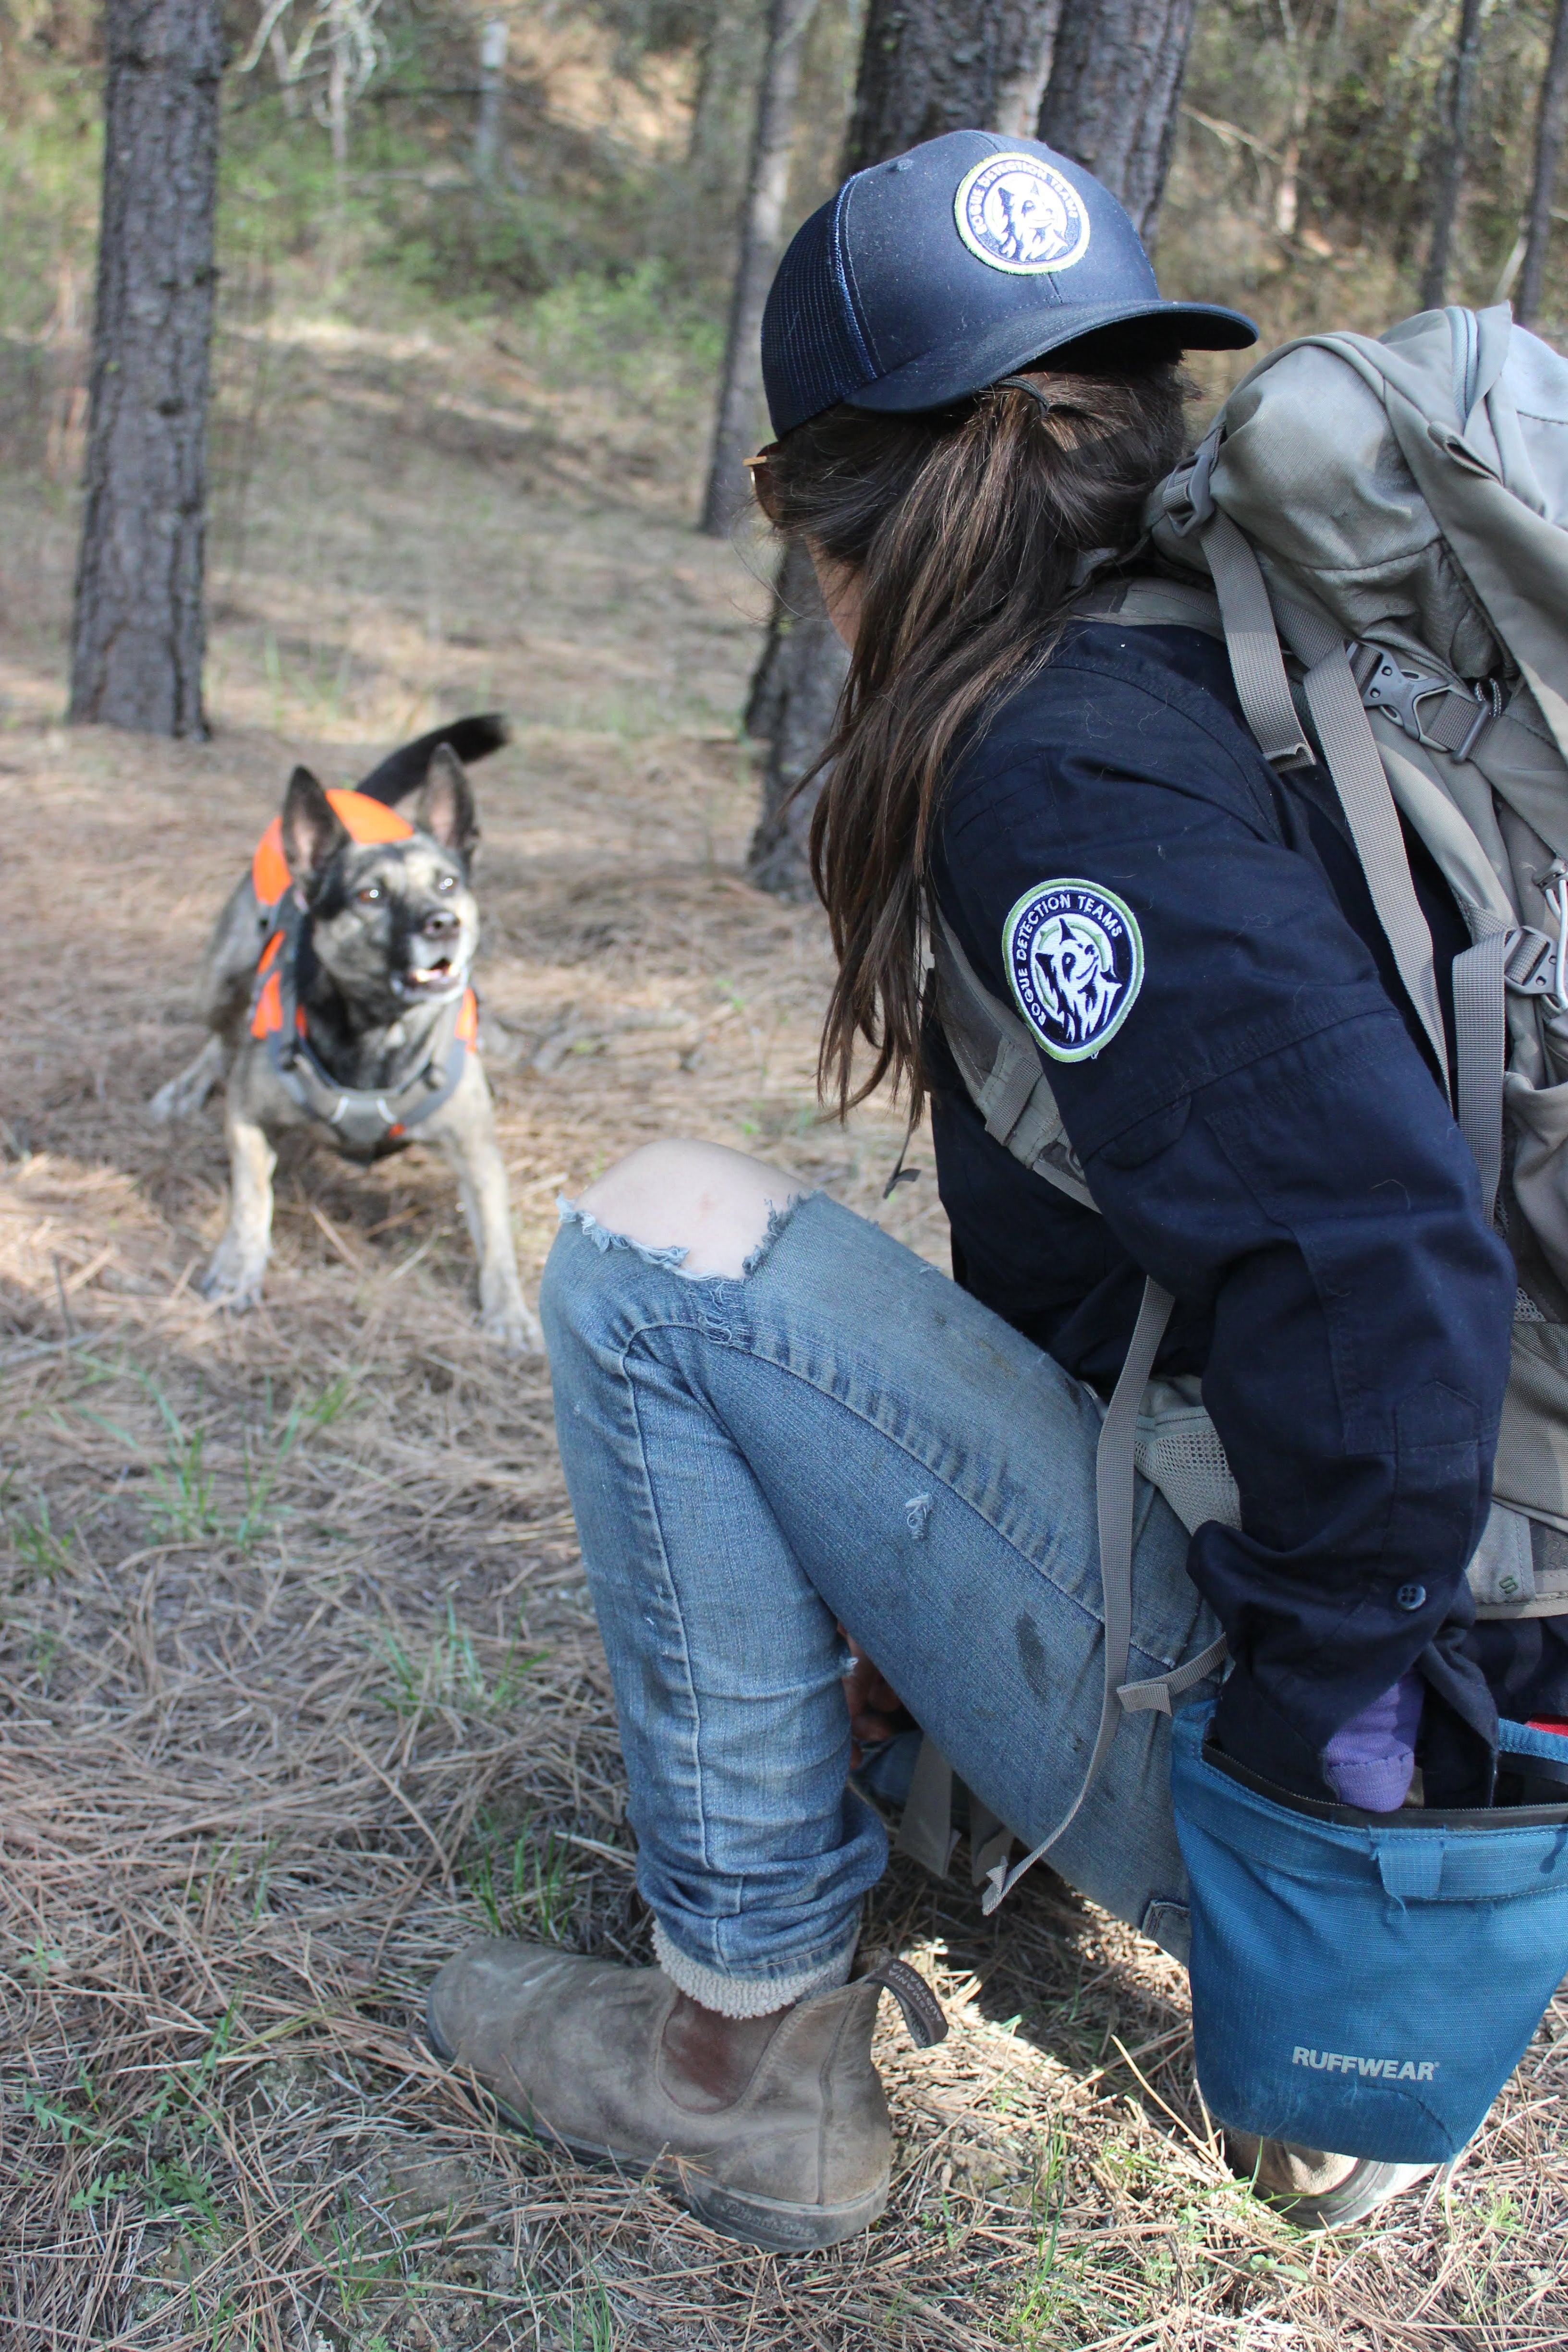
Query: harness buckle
pixel 1186 494
pixel 1400 692
pixel 1528 967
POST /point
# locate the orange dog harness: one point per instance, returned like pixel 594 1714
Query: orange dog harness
pixel 366 820
pixel 364 1121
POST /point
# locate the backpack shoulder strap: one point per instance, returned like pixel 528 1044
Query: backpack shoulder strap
pixel 1001 1069
pixel 1349 746
pixel 1115 1495
pixel 1152 602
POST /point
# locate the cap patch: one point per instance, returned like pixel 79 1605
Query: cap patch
pixel 1016 213
pixel 1075 959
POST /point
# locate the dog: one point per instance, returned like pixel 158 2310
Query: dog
pixel 336 988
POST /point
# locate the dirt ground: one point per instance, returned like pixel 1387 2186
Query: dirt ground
pixel 298 1688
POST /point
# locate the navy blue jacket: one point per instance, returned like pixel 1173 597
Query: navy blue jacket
pixel 1266 1135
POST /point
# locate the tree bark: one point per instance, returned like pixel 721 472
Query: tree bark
pixel 794 694
pixel 1113 98
pixel 926 66
pixel 931 66
pixel 740 383
pixel 489 127
pixel 139 633
pixel 1548 149
pixel 1454 133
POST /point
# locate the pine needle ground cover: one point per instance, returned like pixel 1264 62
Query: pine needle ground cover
pixel 299 1687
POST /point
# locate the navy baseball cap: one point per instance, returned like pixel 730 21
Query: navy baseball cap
pixel 928 277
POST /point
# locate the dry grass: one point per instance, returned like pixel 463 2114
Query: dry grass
pixel 299 1689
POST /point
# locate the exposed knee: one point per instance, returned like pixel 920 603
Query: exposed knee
pixel 712 1203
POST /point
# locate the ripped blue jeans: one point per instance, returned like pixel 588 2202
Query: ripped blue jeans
pixel 842 1436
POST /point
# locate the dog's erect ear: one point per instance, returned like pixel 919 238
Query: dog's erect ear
pixel 313 832
pixel 444 808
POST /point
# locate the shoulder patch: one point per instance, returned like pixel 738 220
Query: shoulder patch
pixel 1075 962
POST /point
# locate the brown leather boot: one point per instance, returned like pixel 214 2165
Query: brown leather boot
pixel 1313 2188
pixel 773 2129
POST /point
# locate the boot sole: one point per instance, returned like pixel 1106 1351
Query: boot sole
pixel 777 2225
pixel 1359 2194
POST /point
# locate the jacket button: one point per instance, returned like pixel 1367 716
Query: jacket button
pixel 1411 1596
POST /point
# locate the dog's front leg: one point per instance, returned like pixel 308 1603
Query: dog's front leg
pixel 234 1278
pixel 184 1095
pixel 466 1136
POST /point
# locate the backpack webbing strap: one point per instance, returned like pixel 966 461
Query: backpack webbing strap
pixel 1001 1069
pixel 1481 1043
pixel 1154 1696
pixel 1348 744
pixel 1350 751
pixel 926 1833
pixel 1252 641
pixel 1153 603
pixel 1115 1495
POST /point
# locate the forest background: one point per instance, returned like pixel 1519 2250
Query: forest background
pixel 299 1687
pixel 1311 137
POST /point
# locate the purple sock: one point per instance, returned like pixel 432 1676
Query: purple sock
pixel 1369 1761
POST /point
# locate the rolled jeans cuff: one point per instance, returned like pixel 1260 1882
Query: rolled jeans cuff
pixel 748 1996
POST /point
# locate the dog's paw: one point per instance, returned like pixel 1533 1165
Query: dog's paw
pixel 513 1329
pixel 233 1281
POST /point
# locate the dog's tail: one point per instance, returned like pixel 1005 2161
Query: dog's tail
pixel 402 773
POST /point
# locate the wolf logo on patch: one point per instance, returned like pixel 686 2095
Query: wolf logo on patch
pixel 1075 959
pixel 1016 213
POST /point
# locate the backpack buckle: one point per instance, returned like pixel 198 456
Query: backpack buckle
pixel 1384 686
pixel 1186 494
pixel 1399 692
pixel 1528 967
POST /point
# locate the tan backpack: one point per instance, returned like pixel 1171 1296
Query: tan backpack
pixel 1379 529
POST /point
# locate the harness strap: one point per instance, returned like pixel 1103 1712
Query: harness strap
pixel 1153 603
pixel 1002 1070
pixel 1349 746
pixel 926 1833
pixel 362 1117
pixel 1357 770
pixel 1252 641
pixel 1115 1495
pixel 1480 1043
pixel 1155 1695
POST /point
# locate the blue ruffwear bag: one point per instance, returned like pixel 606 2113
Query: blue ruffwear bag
pixel 1362 1983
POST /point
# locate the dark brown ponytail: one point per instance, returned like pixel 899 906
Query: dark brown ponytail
pixel 966 529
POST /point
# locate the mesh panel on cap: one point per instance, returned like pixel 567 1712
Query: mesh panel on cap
pixel 813 353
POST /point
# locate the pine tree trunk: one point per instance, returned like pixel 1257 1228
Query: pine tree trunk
pixel 1113 98
pixel 926 66
pixel 490 126
pixel 1548 149
pixel 931 66
pixel 794 693
pixel 139 634
pixel 1454 133
pixel 739 385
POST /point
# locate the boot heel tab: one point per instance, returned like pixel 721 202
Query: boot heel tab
pixel 925 2020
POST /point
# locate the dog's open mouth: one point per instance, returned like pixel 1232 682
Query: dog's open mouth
pixel 428 979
